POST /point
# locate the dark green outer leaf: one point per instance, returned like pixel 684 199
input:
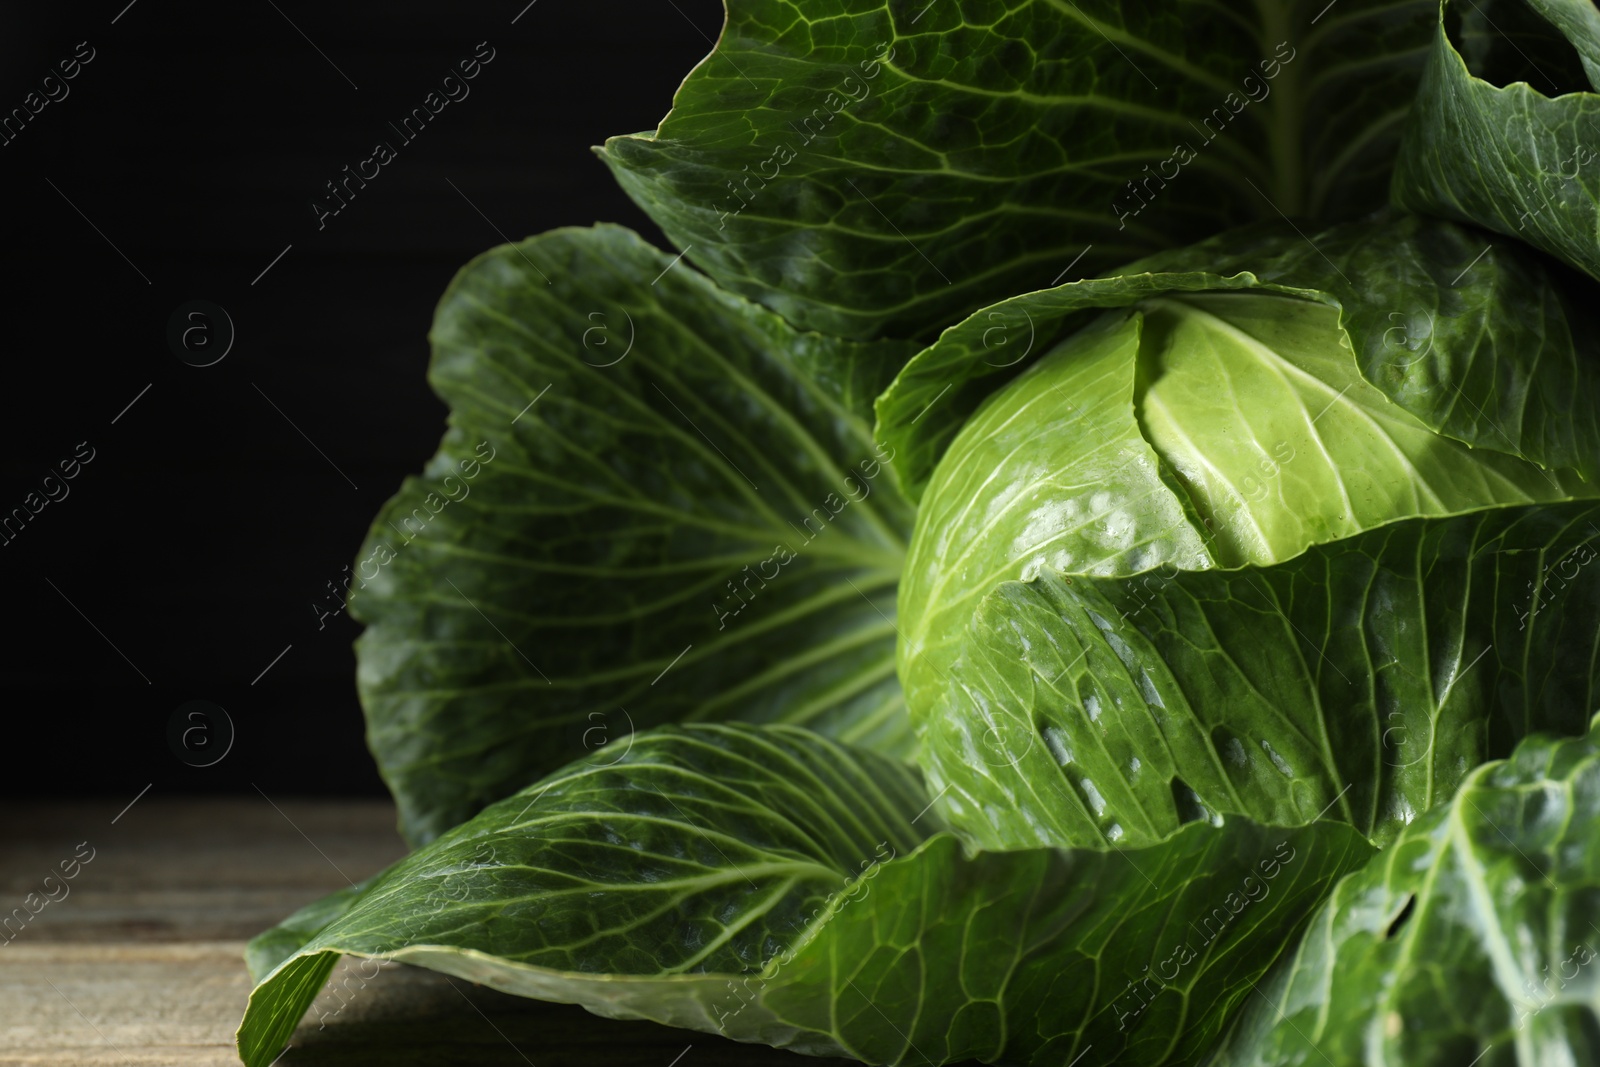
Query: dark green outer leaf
pixel 705 881
pixel 883 167
pixel 1478 339
pixel 1039 956
pixel 1361 681
pixel 651 505
pixel 271 947
pixel 683 857
pixel 1510 158
pixel 1471 940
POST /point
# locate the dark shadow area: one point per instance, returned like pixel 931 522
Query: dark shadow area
pixel 198 547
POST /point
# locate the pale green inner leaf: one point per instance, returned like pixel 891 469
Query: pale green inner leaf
pixel 1193 431
pixel 1256 402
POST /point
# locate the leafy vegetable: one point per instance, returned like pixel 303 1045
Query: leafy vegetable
pixel 1486 345
pixel 1195 431
pixel 767 884
pixel 1360 681
pixel 649 488
pixel 1471 939
pixel 879 167
pixel 1517 151
pixel 1201 590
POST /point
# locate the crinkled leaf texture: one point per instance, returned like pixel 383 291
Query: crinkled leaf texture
pixel 883 167
pixel 767 883
pixel 655 501
pixel 1513 145
pixel 1199 429
pixel 1361 681
pixel 1480 340
pixel 1470 940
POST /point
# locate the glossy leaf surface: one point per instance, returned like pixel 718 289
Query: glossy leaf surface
pixel 1472 939
pixel 1361 681
pixel 884 167
pixel 765 883
pixel 655 502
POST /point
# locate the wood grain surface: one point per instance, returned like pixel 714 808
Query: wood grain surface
pixel 140 962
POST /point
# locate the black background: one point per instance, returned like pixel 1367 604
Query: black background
pixel 206 526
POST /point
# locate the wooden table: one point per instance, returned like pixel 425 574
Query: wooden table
pixel 140 963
